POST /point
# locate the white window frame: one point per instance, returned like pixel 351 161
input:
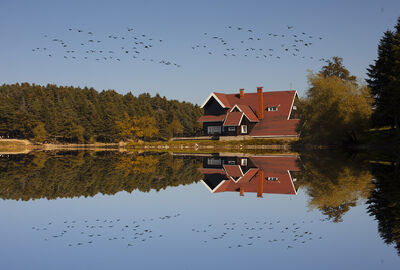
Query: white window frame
pixel 272 109
pixel 243 129
pixel 270 178
pixel 243 162
pixel 214 161
pixel 214 130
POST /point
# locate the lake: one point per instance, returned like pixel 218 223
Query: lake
pixel 128 210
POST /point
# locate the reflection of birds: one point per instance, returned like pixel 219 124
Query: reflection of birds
pixel 88 231
pixel 236 234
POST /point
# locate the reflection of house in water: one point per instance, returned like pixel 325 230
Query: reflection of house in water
pixel 258 174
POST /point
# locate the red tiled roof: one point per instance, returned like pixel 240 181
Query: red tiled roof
pixel 248 112
pixel 274 123
pixel 275 128
pixel 222 97
pixel 212 118
pixel 233 119
pixel 282 98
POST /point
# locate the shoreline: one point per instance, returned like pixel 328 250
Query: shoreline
pixel 23 146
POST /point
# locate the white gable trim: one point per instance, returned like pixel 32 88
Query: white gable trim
pixel 240 121
pixel 216 98
pixel 239 177
pixel 291 107
pixel 236 106
pixel 241 118
pixel 291 180
pixel 216 188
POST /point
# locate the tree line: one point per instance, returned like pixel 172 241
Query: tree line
pixel 336 182
pixel 73 114
pixel 339 108
pixel 73 174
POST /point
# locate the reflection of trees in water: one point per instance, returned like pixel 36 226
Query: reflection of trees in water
pixel 72 174
pixel 334 182
pixel 384 202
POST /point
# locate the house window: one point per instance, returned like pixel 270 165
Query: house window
pixel 231 162
pixel 244 129
pixel 243 162
pixel 272 109
pixel 213 161
pixel 231 128
pixel 269 178
pixel 214 130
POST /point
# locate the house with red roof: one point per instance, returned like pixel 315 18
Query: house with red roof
pixel 258 115
pixel 255 174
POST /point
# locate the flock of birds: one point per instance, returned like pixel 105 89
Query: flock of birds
pixel 137 47
pixel 136 232
pixel 129 45
pixel 264 46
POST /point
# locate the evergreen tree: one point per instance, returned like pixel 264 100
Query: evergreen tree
pixel 384 80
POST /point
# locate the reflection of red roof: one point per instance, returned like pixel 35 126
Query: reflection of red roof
pixel 212 118
pixel 272 166
pixel 248 175
pixel 233 170
pixel 233 119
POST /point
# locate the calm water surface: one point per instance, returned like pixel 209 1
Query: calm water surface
pixel 109 210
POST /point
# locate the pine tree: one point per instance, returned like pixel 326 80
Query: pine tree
pixel 379 78
pixel 394 85
pixel 384 80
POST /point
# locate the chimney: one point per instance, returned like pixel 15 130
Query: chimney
pixel 241 92
pixel 260 103
pixel 241 191
pixel 260 183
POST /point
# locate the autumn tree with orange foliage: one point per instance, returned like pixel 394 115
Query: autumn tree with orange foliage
pixel 133 128
pixel 336 109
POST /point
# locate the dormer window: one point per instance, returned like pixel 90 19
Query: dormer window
pixel 269 178
pixel 272 109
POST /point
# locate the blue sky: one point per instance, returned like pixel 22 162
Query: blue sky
pixel 350 29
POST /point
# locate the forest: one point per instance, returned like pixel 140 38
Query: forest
pixel 54 113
